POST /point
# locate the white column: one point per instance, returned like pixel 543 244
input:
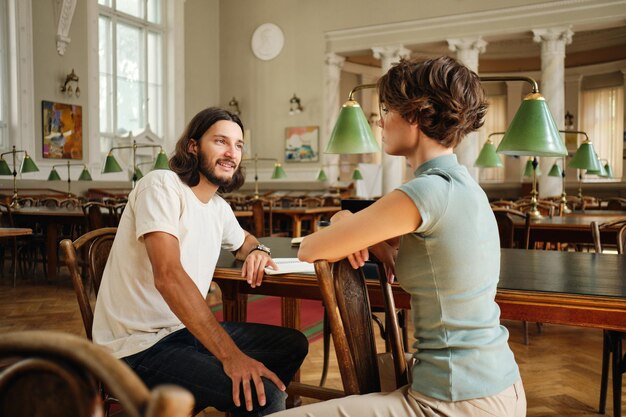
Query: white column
pixel 393 166
pixel 553 42
pixel 332 105
pixel 467 51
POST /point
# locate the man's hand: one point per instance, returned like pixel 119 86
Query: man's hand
pixel 356 259
pixel 243 371
pixel 254 265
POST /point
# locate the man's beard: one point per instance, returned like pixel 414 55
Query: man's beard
pixel 209 172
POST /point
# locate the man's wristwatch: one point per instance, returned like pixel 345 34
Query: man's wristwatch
pixel 261 247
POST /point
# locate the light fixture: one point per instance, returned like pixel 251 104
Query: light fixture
pixel 66 87
pixel 277 173
pixel 532 170
pixel 600 173
pixel 84 175
pixel 488 158
pixel 321 175
pixel 28 165
pixel 234 106
pixel 557 171
pixel 356 174
pixel 607 168
pixel 352 133
pixel 585 158
pixel 111 164
pixel 294 105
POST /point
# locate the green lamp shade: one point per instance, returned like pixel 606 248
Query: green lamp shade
pixel 585 158
pixel 609 170
pixel 138 174
pixel 352 133
pixel 54 175
pixel 279 172
pixel 111 165
pixel 555 171
pixel 488 158
pixel 532 131
pixel 528 169
pixel 600 173
pixel 161 161
pixel 85 175
pixel 356 175
pixel 321 176
pixel 28 165
pixel 4 168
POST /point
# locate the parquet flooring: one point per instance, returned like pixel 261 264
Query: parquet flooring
pixel 560 367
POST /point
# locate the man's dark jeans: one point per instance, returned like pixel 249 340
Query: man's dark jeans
pixel 181 359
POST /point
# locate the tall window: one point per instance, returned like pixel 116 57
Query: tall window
pixel 495 121
pixel 4 75
pixel 131 60
pixel 602 117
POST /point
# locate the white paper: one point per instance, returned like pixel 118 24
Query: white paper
pixel 290 266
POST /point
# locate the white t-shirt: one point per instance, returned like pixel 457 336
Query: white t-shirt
pixel 130 314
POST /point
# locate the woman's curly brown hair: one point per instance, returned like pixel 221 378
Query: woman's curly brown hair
pixel 186 164
pixel 441 95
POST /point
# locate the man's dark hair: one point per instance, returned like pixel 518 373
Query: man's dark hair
pixel 186 164
pixel 441 95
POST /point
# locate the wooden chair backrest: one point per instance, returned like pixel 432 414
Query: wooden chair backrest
pixel 346 299
pixel 57 374
pixel 506 227
pixel 596 234
pixel 93 211
pixel 97 245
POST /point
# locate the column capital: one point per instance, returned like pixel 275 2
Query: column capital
pixel 462 44
pixel 390 53
pixel 332 59
pixel 561 33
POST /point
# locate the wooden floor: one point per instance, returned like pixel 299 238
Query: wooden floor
pixel 560 367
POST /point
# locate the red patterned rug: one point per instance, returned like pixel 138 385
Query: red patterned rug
pixel 266 310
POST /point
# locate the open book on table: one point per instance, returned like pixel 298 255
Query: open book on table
pixel 290 266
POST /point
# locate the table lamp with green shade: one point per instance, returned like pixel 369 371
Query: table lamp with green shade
pixel 28 165
pixel 586 159
pixel 277 173
pixel 557 171
pixel 161 162
pixel 607 168
pixel 488 158
pixel 111 164
pixel 84 175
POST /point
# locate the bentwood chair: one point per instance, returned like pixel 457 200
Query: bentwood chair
pixel 346 300
pixel 57 374
pixel 612 340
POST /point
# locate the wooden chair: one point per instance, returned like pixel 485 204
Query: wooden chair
pixel 57 374
pixel 615 203
pixel 346 300
pixel 612 340
pixel 96 244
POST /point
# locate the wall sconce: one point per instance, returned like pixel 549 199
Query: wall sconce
pixel 111 164
pixel 54 175
pixel 278 172
pixel 28 165
pixel 70 79
pixel 234 106
pixel 294 105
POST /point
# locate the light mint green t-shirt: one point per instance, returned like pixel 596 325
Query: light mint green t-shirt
pixel 451 265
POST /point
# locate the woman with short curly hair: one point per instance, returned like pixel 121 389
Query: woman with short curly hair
pixel 438 235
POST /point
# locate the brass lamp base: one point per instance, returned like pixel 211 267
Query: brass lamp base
pixel 535 214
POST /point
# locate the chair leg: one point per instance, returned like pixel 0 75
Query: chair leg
pixel 617 373
pixel 604 379
pixel 525 324
pixel 326 347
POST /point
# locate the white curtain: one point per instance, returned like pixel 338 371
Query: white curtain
pixel 495 121
pixel 602 118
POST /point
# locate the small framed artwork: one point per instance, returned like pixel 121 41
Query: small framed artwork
pixel 62 130
pixel 302 144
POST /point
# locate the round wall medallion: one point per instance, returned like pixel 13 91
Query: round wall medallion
pixel 267 41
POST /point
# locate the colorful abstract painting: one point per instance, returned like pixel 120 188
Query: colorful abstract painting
pixel 302 144
pixel 62 130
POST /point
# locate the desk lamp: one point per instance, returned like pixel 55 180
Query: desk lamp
pixel 557 171
pixel 28 165
pixel 111 164
pixel 584 158
pixel 84 175
pixel 607 168
pixel 277 173
pixel 532 170
pixel 488 158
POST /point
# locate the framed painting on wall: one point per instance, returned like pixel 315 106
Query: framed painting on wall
pixel 62 130
pixel 302 144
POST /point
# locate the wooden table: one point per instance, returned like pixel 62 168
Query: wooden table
pixel 298 214
pixel 571 288
pixel 566 229
pixel 50 218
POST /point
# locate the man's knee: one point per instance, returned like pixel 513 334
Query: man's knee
pixel 275 398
